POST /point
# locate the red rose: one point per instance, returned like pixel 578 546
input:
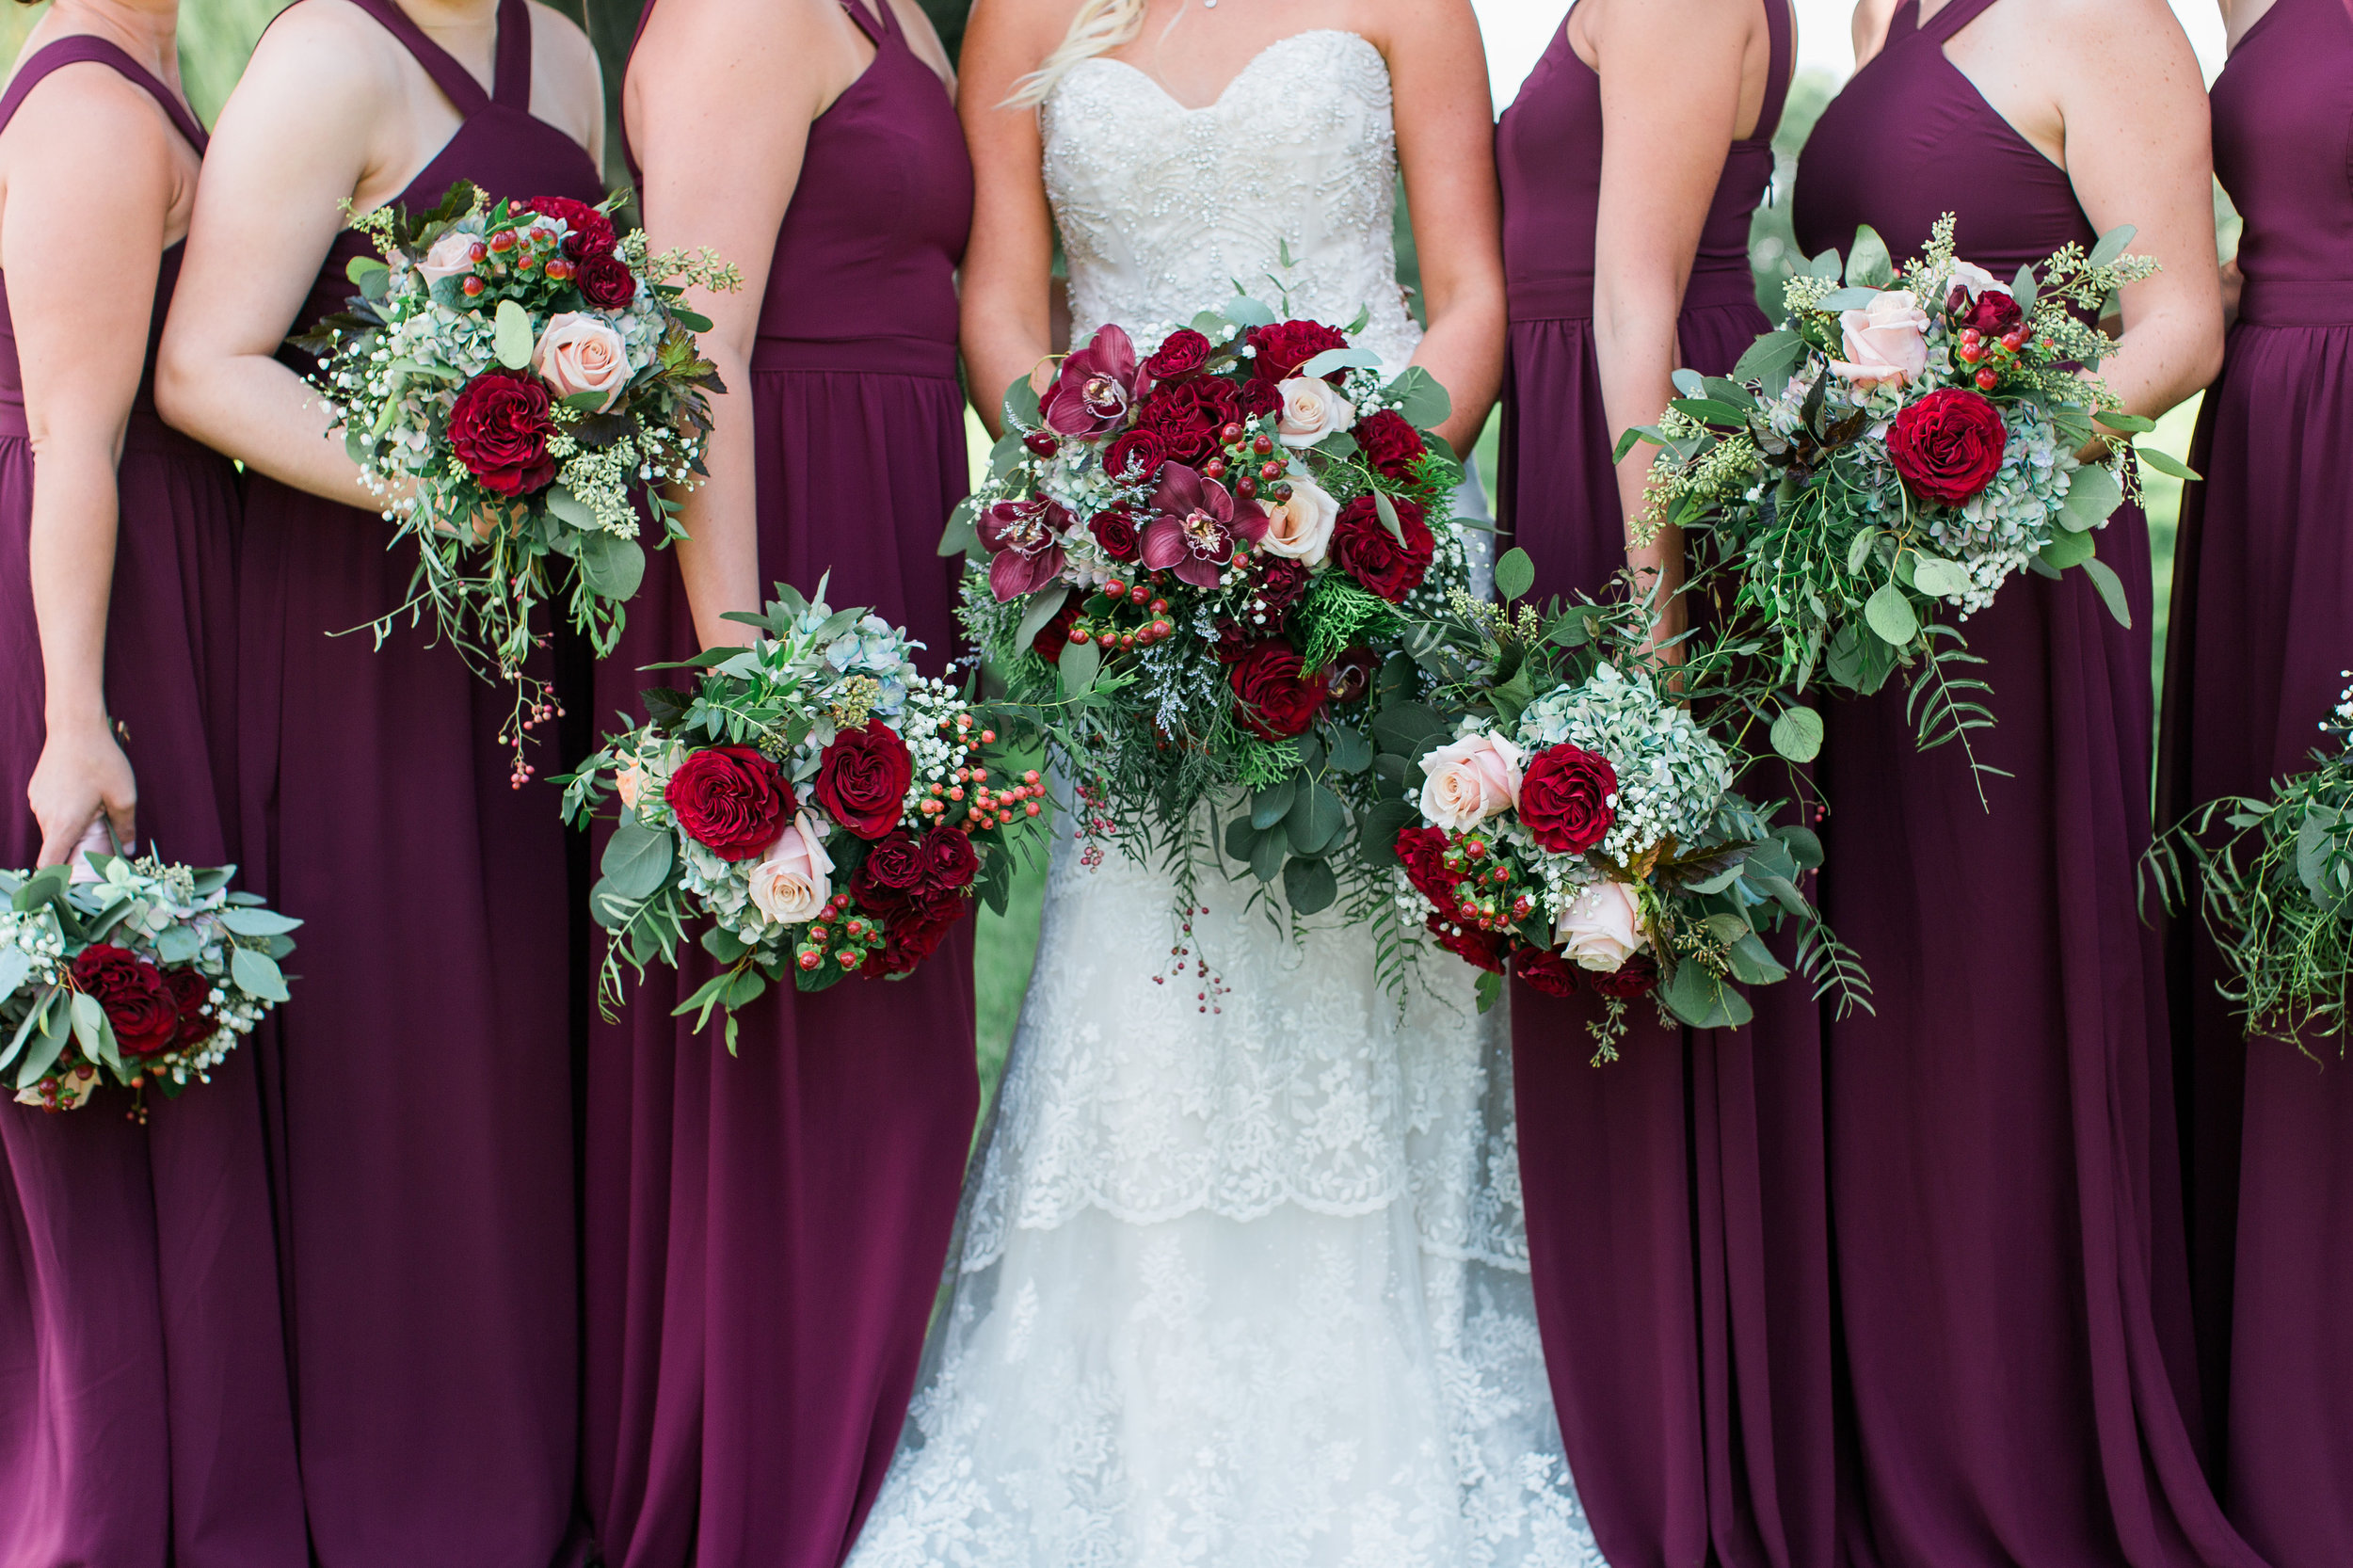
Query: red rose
pixel 1564 798
pixel 1055 634
pixel 1275 698
pixel 1135 458
pixel 1948 445
pixel 887 877
pixel 1993 313
pixel 591 230
pixel 731 800
pixel 1288 344
pixel 1180 353
pixel 949 862
pixel 1188 415
pixel 189 992
pixel 914 934
pixel 1423 851
pixel 1548 973
pixel 862 779
pixel 1363 546
pixel 1637 977
pixel 1115 529
pixel 133 995
pixel 1259 398
pixel 605 281
pixel 1281 583
pixel 1391 443
pixel 498 427
pixel 1481 948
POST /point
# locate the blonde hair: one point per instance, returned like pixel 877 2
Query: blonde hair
pixel 1100 26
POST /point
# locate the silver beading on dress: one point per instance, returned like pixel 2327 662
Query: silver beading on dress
pixel 1241 1275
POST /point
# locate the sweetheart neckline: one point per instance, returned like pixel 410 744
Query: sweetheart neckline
pixel 1248 66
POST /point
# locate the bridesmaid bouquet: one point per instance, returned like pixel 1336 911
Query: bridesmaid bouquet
pixel 2278 891
pixel 134 971
pixel 1555 810
pixel 519 383
pixel 1219 537
pixel 831 810
pixel 1903 445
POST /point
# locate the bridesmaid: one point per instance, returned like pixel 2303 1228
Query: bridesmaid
pixel 422 1105
pixel 144 1414
pixel 2261 579
pixel 765 1230
pixel 1674 1198
pixel 2011 1277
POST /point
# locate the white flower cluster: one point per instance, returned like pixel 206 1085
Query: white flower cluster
pixel 1671 774
pixel 1997 531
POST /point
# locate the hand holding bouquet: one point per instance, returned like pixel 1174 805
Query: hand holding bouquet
pixel 1225 533
pixel 1903 445
pixel 132 970
pixel 831 810
pixel 517 381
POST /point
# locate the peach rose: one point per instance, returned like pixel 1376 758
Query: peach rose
pixel 1885 344
pixel 450 256
pixel 1312 409
pixel 790 882
pixel 579 354
pixel 1466 781
pixel 1602 927
pixel 628 784
pixel 1301 527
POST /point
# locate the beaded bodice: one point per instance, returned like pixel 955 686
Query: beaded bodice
pixel 1163 209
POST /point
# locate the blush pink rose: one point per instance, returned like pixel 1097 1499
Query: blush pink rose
pixel 1464 782
pixel 1602 927
pixel 1301 528
pixel 579 354
pixel 1310 410
pixel 790 884
pixel 450 256
pixel 1885 344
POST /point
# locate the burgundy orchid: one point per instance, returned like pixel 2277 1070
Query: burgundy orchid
pixel 1198 524
pixel 1024 542
pixel 1097 387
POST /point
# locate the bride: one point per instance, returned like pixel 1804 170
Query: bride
pixel 1241 1273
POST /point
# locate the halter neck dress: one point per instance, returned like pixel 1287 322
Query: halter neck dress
pixel 1673 1197
pixel 765 1231
pixel 2262 634
pixel 2009 1275
pixel 421 1084
pixel 144 1413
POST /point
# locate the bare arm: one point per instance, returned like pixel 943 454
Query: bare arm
pixel 2134 110
pixel 1009 264
pixel 1871 18
pixel 90 186
pixel 1671 81
pixel 1446 147
pixel 719 101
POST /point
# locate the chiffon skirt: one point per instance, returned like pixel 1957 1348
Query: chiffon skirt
pixel 1675 1205
pixel 766 1229
pixel 2261 639
pixel 421 1079
pixel 144 1413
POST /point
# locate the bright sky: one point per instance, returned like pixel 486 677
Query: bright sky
pixel 1519 30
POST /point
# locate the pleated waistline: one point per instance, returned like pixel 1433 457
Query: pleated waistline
pixel 1569 295
pixel 143 433
pixel 858 356
pixel 2297 301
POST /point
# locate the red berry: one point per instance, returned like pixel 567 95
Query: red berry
pixel 1971 335
pixel 1127 640
pixel 502 241
pixel 1269 470
pixel 471 287
pixel 1987 379
pixel 1159 606
pixel 811 960
pixel 1264 445
pixel 988 738
pixel 1029 777
pixel 1107 639
pixel 1162 628
pixel 1245 487
pixel 1214 469
pixel 1138 594
pixel 1115 589
pixel 2015 339
pixel 559 270
pixel 1231 434
pixel 1077 634
pixel 1970 353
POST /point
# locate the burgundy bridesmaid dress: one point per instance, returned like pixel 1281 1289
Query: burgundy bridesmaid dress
pixel 144 1414
pixel 766 1230
pixel 1674 1200
pixel 2011 1287
pixel 2262 633
pixel 423 1085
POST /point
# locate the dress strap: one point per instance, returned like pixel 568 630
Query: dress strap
pixel 1779 67
pixel 82 48
pixel 511 79
pixel 1956 15
pixel 455 81
pixel 867 21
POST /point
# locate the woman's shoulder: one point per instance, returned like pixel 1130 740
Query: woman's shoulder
pixel 331 49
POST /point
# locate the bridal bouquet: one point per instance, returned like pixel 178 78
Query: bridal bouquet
pixel 2278 891
pixel 1221 536
pixel 138 972
pixel 1557 811
pixel 1903 445
pixel 831 811
pixel 518 382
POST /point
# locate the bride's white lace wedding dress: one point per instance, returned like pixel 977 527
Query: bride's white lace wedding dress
pixel 1242 1279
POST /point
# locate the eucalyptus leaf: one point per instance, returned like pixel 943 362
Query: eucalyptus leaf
pixel 1775 354
pixel 1041 607
pixel 1244 311
pixel 2022 288
pixel 960 537
pixel 1860 552
pixel 1422 401
pixel 1310 887
pixel 1020 409
pixel 48 1043
pixel 1272 804
pixel 2166 463
pixel 2093 495
pixel 1868 263
pixel 1267 856
pixel 2111 245
pixel 511 335
pixel 1387 511
pixel 1340 359
pixel 257 974
pixel 637 861
pixel 1797 734
pixel 1377 843
pixel 2067 549
pixel 253 922
pixel 15 964
pixel 568 507
pixel 1316 820
pixel 1349 751
pixel 1889 614
pixel 1847 299
pixel 1080 663
pixel 2111 589
pixel 1753 964
pixel 1516 573
pixel 1939 578
pixel 612 566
